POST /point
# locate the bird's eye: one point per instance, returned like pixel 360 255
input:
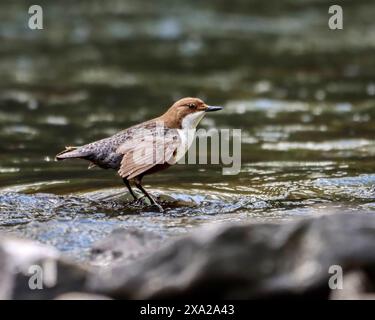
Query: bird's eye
pixel 191 106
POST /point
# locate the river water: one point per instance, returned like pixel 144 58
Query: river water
pixel 303 96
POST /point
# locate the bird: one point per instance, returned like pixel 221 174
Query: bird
pixel 145 148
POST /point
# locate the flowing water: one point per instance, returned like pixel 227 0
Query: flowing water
pixel 302 95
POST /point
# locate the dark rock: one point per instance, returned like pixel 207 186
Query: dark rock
pixel 5 277
pixel 357 287
pixel 29 270
pixel 263 261
pixel 124 246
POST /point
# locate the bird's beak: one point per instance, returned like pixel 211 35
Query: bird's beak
pixel 213 108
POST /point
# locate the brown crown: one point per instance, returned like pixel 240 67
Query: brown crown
pixel 180 109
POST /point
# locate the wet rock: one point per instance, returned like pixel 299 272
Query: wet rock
pixel 124 246
pixel 250 261
pixel 29 270
pixel 262 261
pixel 357 287
pixel 5 276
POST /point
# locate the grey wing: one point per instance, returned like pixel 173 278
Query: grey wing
pixel 146 150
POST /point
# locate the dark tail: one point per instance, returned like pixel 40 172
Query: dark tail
pixel 71 153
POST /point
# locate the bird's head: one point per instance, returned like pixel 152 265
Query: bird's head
pixel 186 113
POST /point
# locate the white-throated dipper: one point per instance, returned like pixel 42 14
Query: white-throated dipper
pixel 147 147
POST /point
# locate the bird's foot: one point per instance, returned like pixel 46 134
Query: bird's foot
pixel 160 208
pixel 138 201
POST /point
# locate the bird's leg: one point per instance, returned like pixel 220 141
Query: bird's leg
pixel 138 184
pixel 136 199
pixel 139 200
pixel 130 189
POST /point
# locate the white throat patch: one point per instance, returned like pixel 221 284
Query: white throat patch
pixel 187 133
pixel 192 120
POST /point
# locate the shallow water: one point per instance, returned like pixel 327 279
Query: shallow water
pixel 302 95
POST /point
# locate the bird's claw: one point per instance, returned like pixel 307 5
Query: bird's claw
pixel 153 203
pixel 138 201
pixel 161 209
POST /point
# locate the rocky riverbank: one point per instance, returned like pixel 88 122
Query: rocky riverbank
pixel 228 261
